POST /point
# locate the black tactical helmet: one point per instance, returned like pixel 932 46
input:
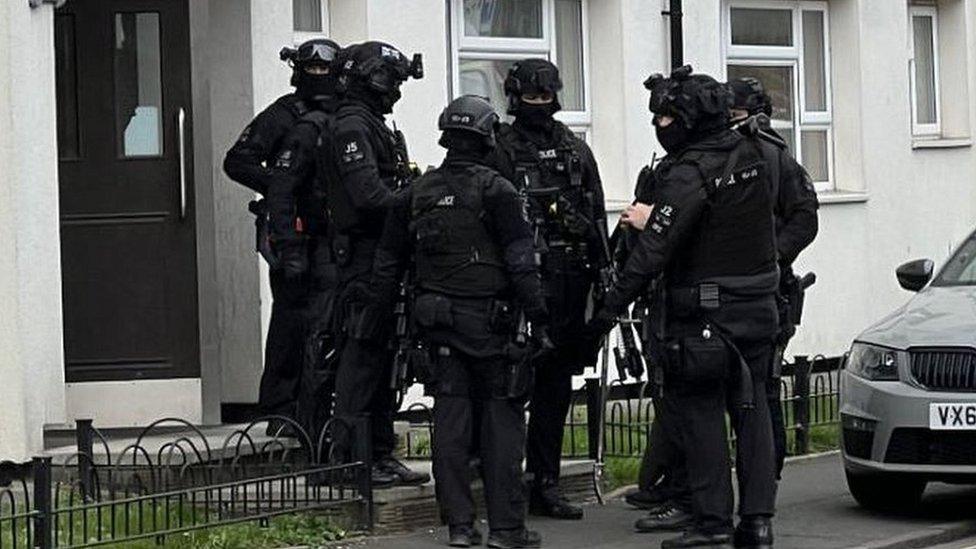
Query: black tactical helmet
pixel 532 76
pixel 320 51
pixel 697 100
pixel 380 66
pixel 470 113
pixel 749 95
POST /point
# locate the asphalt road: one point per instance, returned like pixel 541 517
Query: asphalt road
pixel 814 511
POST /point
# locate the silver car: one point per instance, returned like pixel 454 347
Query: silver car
pixel 908 391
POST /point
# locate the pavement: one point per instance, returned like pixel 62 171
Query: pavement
pixel 814 511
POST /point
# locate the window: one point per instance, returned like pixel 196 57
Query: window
pixel 784 45
pixel 138 85
pixel 489 36
pixel 924 70
pixel 310 19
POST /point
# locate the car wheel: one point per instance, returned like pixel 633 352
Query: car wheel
pixel 886 492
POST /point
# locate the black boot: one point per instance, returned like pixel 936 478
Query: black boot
pixel 754 532
pixel 696 538
pixel 381 477
pixel 646 499
pixel 514 539
pixel 463 535
pixel 401 473
pixel 546 501
pixel 668 518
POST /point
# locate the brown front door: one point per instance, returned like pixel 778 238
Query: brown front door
pixel 128 246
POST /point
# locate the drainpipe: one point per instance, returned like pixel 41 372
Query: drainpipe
pixel 674 13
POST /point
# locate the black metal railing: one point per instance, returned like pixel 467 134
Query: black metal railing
pixel 162 485
pixel 809 400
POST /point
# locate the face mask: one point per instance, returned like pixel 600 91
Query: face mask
pixel 315 86
pixel 672 137
pixel 536 116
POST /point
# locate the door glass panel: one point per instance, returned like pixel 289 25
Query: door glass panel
pixel 138 89
pixel 66 72
pixel 814 146
pixel 815 81
pixel 762 27
pixel 778 82
pixel 307 15
pixel 486 77
pixel 569 52
pixel 503 18
pixel 925 90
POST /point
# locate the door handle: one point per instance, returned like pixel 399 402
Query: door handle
pixel 181 129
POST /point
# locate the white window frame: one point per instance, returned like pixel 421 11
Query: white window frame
pixel 920 129
pixel 302 36
pixel 803 119
pixel 488 48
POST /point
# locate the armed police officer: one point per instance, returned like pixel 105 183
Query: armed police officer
pixel 250 162
pixel 474 267
pixel 710 237
pixel 564 194
pixel 299 235
pixel 795 208
pixel 362 164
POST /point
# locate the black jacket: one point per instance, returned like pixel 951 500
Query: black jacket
pixel 249 161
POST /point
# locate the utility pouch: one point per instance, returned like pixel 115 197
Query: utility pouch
pixel 501 317
pixel 431 311
pixel 703 359
pixel 521 375
pixel 422 364
pixel 342 250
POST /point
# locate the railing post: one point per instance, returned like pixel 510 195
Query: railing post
pixel 801 405
pixel 43 506
pixel 594 415
pixel 362 450
pixel 86 457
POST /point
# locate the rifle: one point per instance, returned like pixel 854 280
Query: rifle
pixel 401 375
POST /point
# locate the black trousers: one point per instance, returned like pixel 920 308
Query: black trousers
pixel 774 390
pixel 699 412
pixel 662 464
pixel 284 347
pixel 551 398
pixel 464 410
pixel 567 285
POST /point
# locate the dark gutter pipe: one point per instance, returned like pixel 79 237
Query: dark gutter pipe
pixel 677 36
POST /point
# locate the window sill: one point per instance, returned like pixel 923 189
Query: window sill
pixel 941 143
pixel 842 197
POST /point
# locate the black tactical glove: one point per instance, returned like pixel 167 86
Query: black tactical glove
pixel 293 257
pixel 599 326
pixel 541 341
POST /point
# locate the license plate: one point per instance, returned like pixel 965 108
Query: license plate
pixel 947 416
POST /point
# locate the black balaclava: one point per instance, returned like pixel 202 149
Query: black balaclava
pixel 673 137
pixel 315 86
pixel 536 76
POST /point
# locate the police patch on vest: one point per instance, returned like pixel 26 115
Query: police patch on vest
pixel 548 155
pixel 446 201
pixel 284 159
pixel 742 176
pixel 662 219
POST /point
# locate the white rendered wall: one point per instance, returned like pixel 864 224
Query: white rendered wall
pixel 31 356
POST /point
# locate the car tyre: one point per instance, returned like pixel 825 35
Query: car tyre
pixel 886 492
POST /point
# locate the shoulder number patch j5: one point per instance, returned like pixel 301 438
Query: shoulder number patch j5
pixel 284 159
pixel 662 219
pixel 351 153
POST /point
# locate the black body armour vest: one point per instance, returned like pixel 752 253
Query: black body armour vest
pixel 344 217
pixel 455 252
pixel 554 177
pixel 736 236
